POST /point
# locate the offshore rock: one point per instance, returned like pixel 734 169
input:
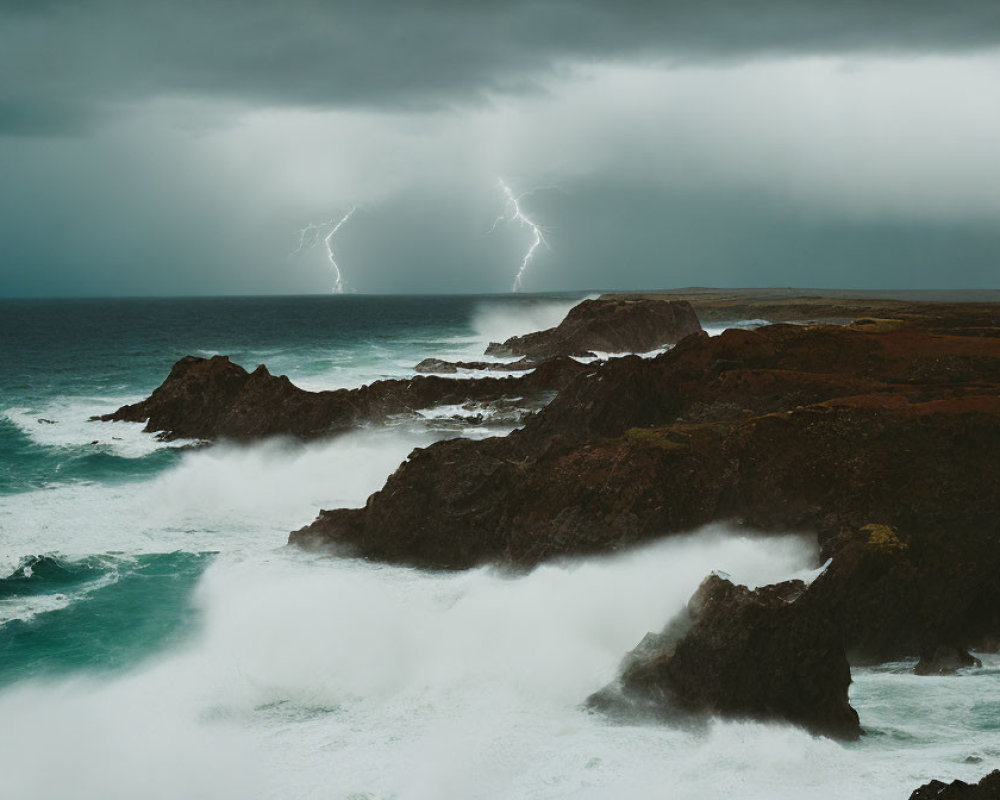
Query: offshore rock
pixel 987 789
pixel 741 653
pixel 214 398
pixel 611 326
pixel 946 660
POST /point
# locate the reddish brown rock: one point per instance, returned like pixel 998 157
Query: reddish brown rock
pixel 606 325
pixel 824 429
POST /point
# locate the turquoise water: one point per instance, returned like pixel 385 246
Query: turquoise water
pixel 119 611
pixel 67 602
pixel 157 639
pixel 64 357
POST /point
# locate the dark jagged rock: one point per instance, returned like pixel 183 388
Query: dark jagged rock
pixel 215 398
pixel 841 432
pixel 987 789
pixel 611 326
pixel 741 653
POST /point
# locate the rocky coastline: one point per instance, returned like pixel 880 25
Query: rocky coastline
pixel 878 435
pixel 213 398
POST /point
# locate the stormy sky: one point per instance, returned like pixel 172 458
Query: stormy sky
pixel 178 147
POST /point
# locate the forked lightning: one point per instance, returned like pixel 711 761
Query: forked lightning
pixel 314 233
pixel 514 213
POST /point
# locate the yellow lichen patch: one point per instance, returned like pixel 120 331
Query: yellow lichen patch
pixel 884 539
pixel 677 437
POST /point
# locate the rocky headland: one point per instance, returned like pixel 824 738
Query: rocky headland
pixel 878 436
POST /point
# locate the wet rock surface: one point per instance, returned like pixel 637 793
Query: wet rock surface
pixel 946 660
pixel 738 652
pixel 606 325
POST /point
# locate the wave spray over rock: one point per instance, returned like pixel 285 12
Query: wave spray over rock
pixel 836 483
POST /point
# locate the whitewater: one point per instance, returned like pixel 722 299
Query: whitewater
pixel 159 640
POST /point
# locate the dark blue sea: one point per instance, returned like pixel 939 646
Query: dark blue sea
pixel 158 640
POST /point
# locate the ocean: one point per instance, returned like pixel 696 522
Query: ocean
pixel 159 640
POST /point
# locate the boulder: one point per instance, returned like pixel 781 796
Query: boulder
pixel 946 660
pixel 741 653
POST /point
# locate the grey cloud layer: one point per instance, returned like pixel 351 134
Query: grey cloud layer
pixel 64 65
pixel 690 143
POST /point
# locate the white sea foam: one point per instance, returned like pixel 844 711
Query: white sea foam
pixel 743 324
pixel 218 498
pixel 315 677
pixel 26 607
pixel 65 422
pixel 338 677
pixel 498 321
pixel 319 678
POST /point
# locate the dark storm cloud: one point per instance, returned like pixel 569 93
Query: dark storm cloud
pixel 65 64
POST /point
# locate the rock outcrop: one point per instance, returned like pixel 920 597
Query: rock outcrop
pixel 611 326
pixel 882 443
pixel 737 652
pixel 214 398
pixel 987 789
pixel 925 593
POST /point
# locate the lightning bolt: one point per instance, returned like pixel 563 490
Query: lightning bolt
pixel 314 233
pixel 514 213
